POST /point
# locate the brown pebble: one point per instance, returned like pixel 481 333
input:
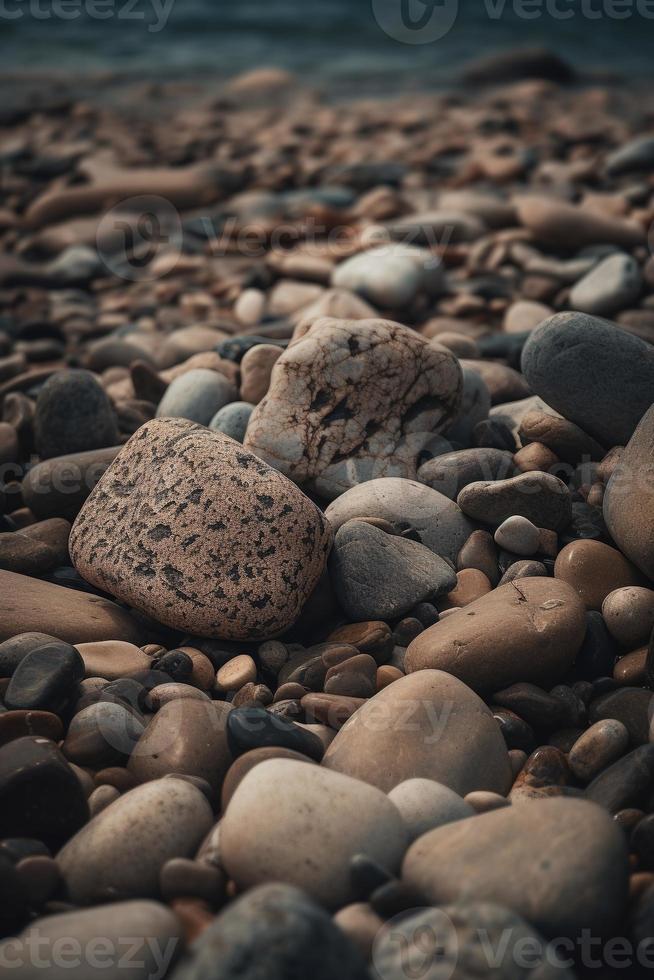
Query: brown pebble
pixel 40 877
pixel 631 670
pixel 330 709
pixel 599 747
pixel 338 653
pixel 545 769
pixel 517 758
pixel 16 724
pixel 483 801
pixel 235 674
pixel 290 692
pixel 356 677
pixel 204 675
pixel 387 675
pixel 101 798
pixel 471 584
pixel 117 777
pixel 183 878
pixel 480 552
pixel 629 615
pixel 375 638
pixel 361 925
pixel 536 457
pixel 594 570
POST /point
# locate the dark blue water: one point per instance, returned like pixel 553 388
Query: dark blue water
pixel 335 41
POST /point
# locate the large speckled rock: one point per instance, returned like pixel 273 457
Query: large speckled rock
pixel 426 725
pixel 561 863
pixel 527 630
pixel 354 400
pixel 201 535
pixel 629 498
pixel 437 521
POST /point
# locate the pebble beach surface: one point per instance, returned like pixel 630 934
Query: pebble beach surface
pixel 327 534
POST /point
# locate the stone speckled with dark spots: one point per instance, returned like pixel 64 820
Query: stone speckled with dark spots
pixel 195 531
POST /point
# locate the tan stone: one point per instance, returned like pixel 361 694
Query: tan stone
pixel 235 673
pixel 256 368
pixel 594 570
pixel 112 659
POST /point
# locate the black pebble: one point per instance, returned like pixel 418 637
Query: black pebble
pixel 46 679
pixel 254 728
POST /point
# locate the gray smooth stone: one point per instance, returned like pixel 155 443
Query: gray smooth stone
pixel 613 285
pixel 232 420
pixel 540 497
pixel 197 396
pixel 451 472
pixel 73 414
pixel 635 156
pixel 582 366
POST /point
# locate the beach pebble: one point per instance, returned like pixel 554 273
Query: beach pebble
pixel 634 156
pixel 250 307
pixel 557 223
pixel 594 570
pixel 40 795
pixel 249 729
pixel 382 576
pixel 390 277
pixel 565 439
pixel 354 400
pixel 614 284
pixel 121 851
pixel 438 522
pixel 471 584
pixel 16 724
pixel 629 497
pixel 425 804
pixel 58 487
pixel 631 706
pixel 277 928
pixel 236 673
pixel 540 497
pixel 302 842
pixel 474 408
pixel 449 473
pixel 256 368
pixel 581 874
pixel 37 548
pixel 601 745
pixel 197 396
pixel 529 630
pixel 185 737
pixel 426 725
pixel 73 414
pixel 102 734
pixel 232 420
pixel 112 659
pixel 178 475
pixel 629 615
pixel 570 346
pixel 46 678
pixel 518 535
pixel 480 552
pixel 625 784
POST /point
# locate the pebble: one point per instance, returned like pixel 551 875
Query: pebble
pixel 526 631
pixel 381 576
pixel 471 584
pixel 356 677
pixel 625 784
pixel 558 223
pixel 474 408
pixel 437 521
pixel 249 729
pixel 197 396
pixel 570 346
pixel 518 535
pixel 449 473
pixel 16 724
pixel 391 276
pixel 278 928
pixel 248 760
pixel 614 284
pixel 629 615
pixel 600 746
pixel 539 497
pixel 101 798
pixel 370 395
pixel 564 438
pixel 425 804
pixel 232 420
pixel 249 596
pixel 581 875
pixel 45 679
pixel 37 548
pixel 249 308
pixel 112 659
pixel 480 552
pixel 425 725
pixel 154 937
pixel 236 673
pixel 594 570
pixel 634 156
pixel 629 500
pixel 301 842
pixel 631 706
pixel 73 415
pixel 102 734
pixel 40 795
pixel 631 670
pixel 183 878
pixel 256 368
pixel 523 569
pixel 482 801
pixel 58 487
pixel 185 737
pixel 122 850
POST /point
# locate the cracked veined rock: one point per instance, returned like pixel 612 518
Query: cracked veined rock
pixel 352 401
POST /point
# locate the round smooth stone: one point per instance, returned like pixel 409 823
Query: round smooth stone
pixel 158 696
pixel 630 705
pixel 235 674
pixel 629 615
pixel 627 783
pixel 183 878
pixel 73 415
pixel 232 420
pixel 302 841
pixel 600 746
pixel 631 670
pixel 540 497
pixel 196 395
pixel 122 850
pixel 355 677
pixel 102 734
pixel 425 804
pixel 249 307
pixel 16 648
pixel 244 763
pixel 471 584
pixel 45 679
pixel 524 569
pixel 518 535
pixel 425 725
pixel 528 630
pixel 177 664
pixel 594 570
pixel 614 284
pixel 112 659
pixel 255 728
pixel 572 848
pixel 256 367
pixel 101 798
pixel 360 923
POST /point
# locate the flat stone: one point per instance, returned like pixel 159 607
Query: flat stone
pixel 17 724
pixel 301 841
pixel 31 605
pixel 572 346
pixel 73 415
pixel 437 521
pixel 629 496
pixel 614 284
pixel 571 848
pixel 594 570
pixel 120 852
pixel 425 804
pixel 352 401
pixel 197 396
pixel 528 630
pixel 540 497
pixel 382 576
pixel 157 527
pixel 425 725
pixel 274 928
pixel 451 472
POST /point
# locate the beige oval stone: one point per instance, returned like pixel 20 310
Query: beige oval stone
pixel 560 863
pixel 256 368
pixel 193 530
pixel 235 673
pixel 594 570
pixel 112 659
pixel 307 837
pixel 528 630
pixel 427 725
